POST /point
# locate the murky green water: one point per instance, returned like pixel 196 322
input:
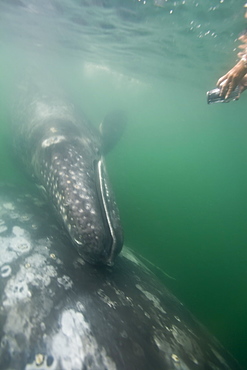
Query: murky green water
pixel 180 170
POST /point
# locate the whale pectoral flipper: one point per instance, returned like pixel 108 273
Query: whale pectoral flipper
pixel 112 129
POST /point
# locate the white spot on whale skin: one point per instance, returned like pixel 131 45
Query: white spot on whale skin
pixel 175 358
pixel 74 343
pixel 25 218
pixel 9 206
pixel 104 298
pixel 3 228
pixel 42 362
pixel 38 273
pixel 14 246
pixel 168 348
pixel 20 245
pixel 80 307
pixel 16 290
pixel 18 231
pixel 52 140
pixel 42 326
pixel 5 271
pixel 152 298
pixel 65 281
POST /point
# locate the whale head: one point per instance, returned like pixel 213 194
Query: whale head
pixel 71 169
pixel 63 153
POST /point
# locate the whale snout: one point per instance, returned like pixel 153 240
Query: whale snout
pixel 82 196
pixel 94 225
pixel 94 243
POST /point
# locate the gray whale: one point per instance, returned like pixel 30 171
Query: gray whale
pixel 60 313
pixel 63 153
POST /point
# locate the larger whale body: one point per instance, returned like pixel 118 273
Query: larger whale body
pixel 59 313
pixel 63 152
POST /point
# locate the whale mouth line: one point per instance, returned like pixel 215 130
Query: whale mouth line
pixel 102 196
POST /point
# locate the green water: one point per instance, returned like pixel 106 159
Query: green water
pixel 180 170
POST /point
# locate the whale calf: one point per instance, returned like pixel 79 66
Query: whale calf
pixel 58 312
pixel 63 153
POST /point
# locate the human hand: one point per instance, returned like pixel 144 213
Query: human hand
pixel 232 79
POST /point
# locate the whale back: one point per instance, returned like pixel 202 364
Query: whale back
pixel 60 313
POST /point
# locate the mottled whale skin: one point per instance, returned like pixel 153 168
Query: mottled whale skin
pixel 62 151
pixel 59 313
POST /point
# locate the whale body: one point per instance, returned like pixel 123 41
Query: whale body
pixel 63 153
pixel 60 313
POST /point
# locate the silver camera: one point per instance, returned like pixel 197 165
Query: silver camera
pixel 213 96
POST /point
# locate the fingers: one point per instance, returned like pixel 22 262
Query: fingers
pixel 243 85
pixel 230 81
pixel 241 89
pixel 223 88
pixel 243 38
pixel 226 85
pixel 220 80
pixel 229 89
pixel 226 88
pixel 242 46
pixel 241 54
